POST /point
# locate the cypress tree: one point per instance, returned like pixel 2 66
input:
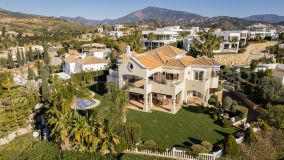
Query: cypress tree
pixel 10 61
pixel 46 56
pixel 18 56
pixel 3 31
pixel 231 147
pixel 44 85
pixel 249 136
pixel 23 60
pixel 31 54
pixel 30 74
pixel 27 57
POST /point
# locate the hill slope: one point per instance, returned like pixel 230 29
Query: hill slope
pixel 271 18
pixel 23 22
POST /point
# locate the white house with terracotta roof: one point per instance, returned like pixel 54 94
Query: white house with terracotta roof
pixel 82 62
pixel 165 78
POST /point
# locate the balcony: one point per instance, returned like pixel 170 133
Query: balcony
pixel 169 88
pixel 199 85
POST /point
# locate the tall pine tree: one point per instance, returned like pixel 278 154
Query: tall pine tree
pixel 10 60
pixel 30 73
pixel 23 60
pixel 44 84
pixel 46 57
pixel 18 56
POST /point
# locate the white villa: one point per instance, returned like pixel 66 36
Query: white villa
pixel 165 78
pixel 164 36
pixel 254 34
pixel 232 41
pixel 81 62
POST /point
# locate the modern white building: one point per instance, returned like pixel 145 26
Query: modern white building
pixel 115 34
pixel 82 62
pixel 164 36
pixel 165 78
pixel 262 33
pixel 231 41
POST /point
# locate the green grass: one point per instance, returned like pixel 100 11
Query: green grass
pixel 181 130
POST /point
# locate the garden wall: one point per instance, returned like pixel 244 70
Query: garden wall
pixel 248 102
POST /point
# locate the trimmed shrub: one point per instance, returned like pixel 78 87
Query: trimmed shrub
pixel 150 143
pixel 130 133
pixel 226 123
pixel 243 110
pixel 215 117
pixel 227 103
pixel 265 127
pixel 250 136
pixel 197 148
pixel 231 147
pixel 207 145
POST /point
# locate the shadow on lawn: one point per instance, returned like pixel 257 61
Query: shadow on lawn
pixel 189 143
pixel 99 88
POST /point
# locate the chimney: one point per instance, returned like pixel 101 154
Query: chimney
pixel 128 51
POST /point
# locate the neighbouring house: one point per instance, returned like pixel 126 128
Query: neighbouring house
pixel 81 62
pixel 277 70
pixel 100 30
pixel 115 34
pixel 231 41
pixel 164 36
pixel 96 49
pixel 262 33
pixel 118 27
pixel 86 37
pixel 165 78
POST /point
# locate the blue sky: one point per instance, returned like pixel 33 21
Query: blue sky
pixel 101 9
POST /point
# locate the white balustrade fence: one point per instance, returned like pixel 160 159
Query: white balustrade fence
pixel 173 153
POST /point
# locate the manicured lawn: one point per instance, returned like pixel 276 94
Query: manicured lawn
pixel 181 130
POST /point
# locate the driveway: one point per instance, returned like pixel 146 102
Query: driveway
pixel 54 59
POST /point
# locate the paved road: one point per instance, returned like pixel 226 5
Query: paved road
pixel 54 60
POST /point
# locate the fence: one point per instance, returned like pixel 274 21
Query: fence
pixel 173 153
pixel 180 154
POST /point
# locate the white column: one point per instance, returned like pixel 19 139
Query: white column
pixel 173 106
pixel 145 109
pixel 151 100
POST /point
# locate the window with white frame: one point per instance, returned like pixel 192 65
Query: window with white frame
pixel 198 75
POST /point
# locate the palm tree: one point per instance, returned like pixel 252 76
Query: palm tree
pixel 206 43
pixel 151 37
pixel 184 34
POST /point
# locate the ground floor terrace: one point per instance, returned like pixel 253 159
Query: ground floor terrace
pixel 178 130
pixel 155 101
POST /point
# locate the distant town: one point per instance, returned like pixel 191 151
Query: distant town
pixel 178 86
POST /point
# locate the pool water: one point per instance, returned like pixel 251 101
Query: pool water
pixel 83 103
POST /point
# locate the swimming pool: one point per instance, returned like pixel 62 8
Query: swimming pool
pixel 82 104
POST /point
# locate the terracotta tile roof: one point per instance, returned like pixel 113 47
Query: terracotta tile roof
pixel 149 60
pixel 86 60
pixel 92 60
pixel 171 57
pixel 204 61
pixel 124 56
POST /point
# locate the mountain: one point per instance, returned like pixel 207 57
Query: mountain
pixel 271 18
pixel 159 14
pixel 10 14
pixel 144 14
pixel 81 20
pixel 23 22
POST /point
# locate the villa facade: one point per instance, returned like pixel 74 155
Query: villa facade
pixel 165 79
